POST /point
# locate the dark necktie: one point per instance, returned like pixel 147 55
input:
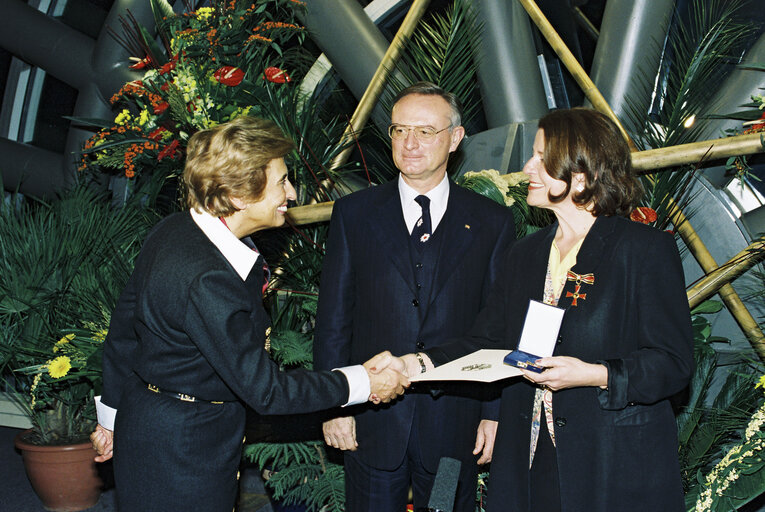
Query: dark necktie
pixel 422 228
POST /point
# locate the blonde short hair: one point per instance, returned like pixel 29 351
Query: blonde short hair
pixel 230 160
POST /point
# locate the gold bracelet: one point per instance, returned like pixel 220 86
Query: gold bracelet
pixel 422 362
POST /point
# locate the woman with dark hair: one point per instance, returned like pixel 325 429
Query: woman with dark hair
pixel 185 351
pixel 595 430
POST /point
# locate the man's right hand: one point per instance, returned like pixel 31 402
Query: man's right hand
pixel 340 433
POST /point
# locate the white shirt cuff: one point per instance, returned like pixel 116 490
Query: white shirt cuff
pixel 105 414
pixel 358 383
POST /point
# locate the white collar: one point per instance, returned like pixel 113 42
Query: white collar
pixel 439 199
pixel 239 255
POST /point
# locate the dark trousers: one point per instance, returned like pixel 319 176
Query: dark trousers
pixel 375 490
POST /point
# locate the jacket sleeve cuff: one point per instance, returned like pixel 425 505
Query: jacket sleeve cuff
pixel 359 387
pixel 106 414
pixel 615 396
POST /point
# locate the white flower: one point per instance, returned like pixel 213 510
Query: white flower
pixel 515 178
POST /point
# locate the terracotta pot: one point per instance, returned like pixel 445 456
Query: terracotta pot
pixel 64 477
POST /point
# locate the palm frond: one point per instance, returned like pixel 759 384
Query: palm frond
pixel 700 51
pixel 442 50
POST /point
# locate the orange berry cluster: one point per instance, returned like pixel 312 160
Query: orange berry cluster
pixel 271 25
pixel 92 142
pixel 256 37
pixel 135 88
pixel 134 151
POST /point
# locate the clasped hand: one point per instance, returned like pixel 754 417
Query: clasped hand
pixel 386 377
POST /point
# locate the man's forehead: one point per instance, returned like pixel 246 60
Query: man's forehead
pixel 421 105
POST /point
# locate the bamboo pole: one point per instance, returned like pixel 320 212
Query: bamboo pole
pixel 308 214
pixel 730 298
pixel 642 161
pixel 375 88
pixel 577 72
pixel 740 263
pixel 645 161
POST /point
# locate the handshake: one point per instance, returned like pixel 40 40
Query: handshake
pixel 389 375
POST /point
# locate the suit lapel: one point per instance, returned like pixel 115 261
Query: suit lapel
pixel 460 226
pixel 388 219
pixel 588 260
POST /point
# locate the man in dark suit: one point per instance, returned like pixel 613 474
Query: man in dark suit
pixel 408 265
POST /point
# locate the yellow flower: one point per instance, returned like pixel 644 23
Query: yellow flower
pixel 123 117
pixel 239 112
pixel 100 335
pixel 59 367
pixel 204 12
pixel 63 341
pixel 143 117
pixel 761 382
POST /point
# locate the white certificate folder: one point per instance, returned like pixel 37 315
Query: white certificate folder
pixel 485 365
pixel 539 335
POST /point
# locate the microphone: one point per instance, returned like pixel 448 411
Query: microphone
pixel 444 485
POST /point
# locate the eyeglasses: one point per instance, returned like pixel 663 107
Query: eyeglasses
pixel 421 133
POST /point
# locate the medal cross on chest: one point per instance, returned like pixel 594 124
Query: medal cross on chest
pixel 579 280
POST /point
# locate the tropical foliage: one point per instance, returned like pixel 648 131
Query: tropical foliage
pixel 699 51
pixel 215 64
pixel 63 266
pixel 68 260
pixel 510 190
pixel 711 418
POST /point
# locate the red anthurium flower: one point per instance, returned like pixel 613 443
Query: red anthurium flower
pixel 168 66
pixel 276 75
pixel 161 107
pixel 157 134
pixel 141 64
pixel 229 75
pixel 169 151
pixel 643 214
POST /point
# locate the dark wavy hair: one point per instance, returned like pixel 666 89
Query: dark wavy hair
pixel 584 140
pixel 230 160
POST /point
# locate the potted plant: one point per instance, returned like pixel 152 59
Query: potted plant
pixel 62 381
pixel 64 264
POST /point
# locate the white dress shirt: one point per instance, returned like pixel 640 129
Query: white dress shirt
pixel 439 198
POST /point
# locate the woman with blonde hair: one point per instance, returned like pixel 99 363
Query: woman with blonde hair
pixel 185 351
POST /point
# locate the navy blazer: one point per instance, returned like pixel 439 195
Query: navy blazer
pixel 188 323
pixel 367 304
pixel 616 448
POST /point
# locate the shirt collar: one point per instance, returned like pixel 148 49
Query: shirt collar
pixel 439 198
pixel 239 255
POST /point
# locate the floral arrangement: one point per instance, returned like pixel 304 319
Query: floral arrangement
pixel 506 184
pixel 64 381
pixel 737 478
pixel 215 66
pixel 510 190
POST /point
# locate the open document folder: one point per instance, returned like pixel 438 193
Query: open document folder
pixel 485 365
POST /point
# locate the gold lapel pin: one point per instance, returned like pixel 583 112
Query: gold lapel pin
pixel 467 226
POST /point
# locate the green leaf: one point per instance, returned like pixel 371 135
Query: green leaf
pixel 707 307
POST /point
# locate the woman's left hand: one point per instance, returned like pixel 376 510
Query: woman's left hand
pixel 563 372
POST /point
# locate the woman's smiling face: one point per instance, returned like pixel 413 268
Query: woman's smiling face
pixel 541 184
